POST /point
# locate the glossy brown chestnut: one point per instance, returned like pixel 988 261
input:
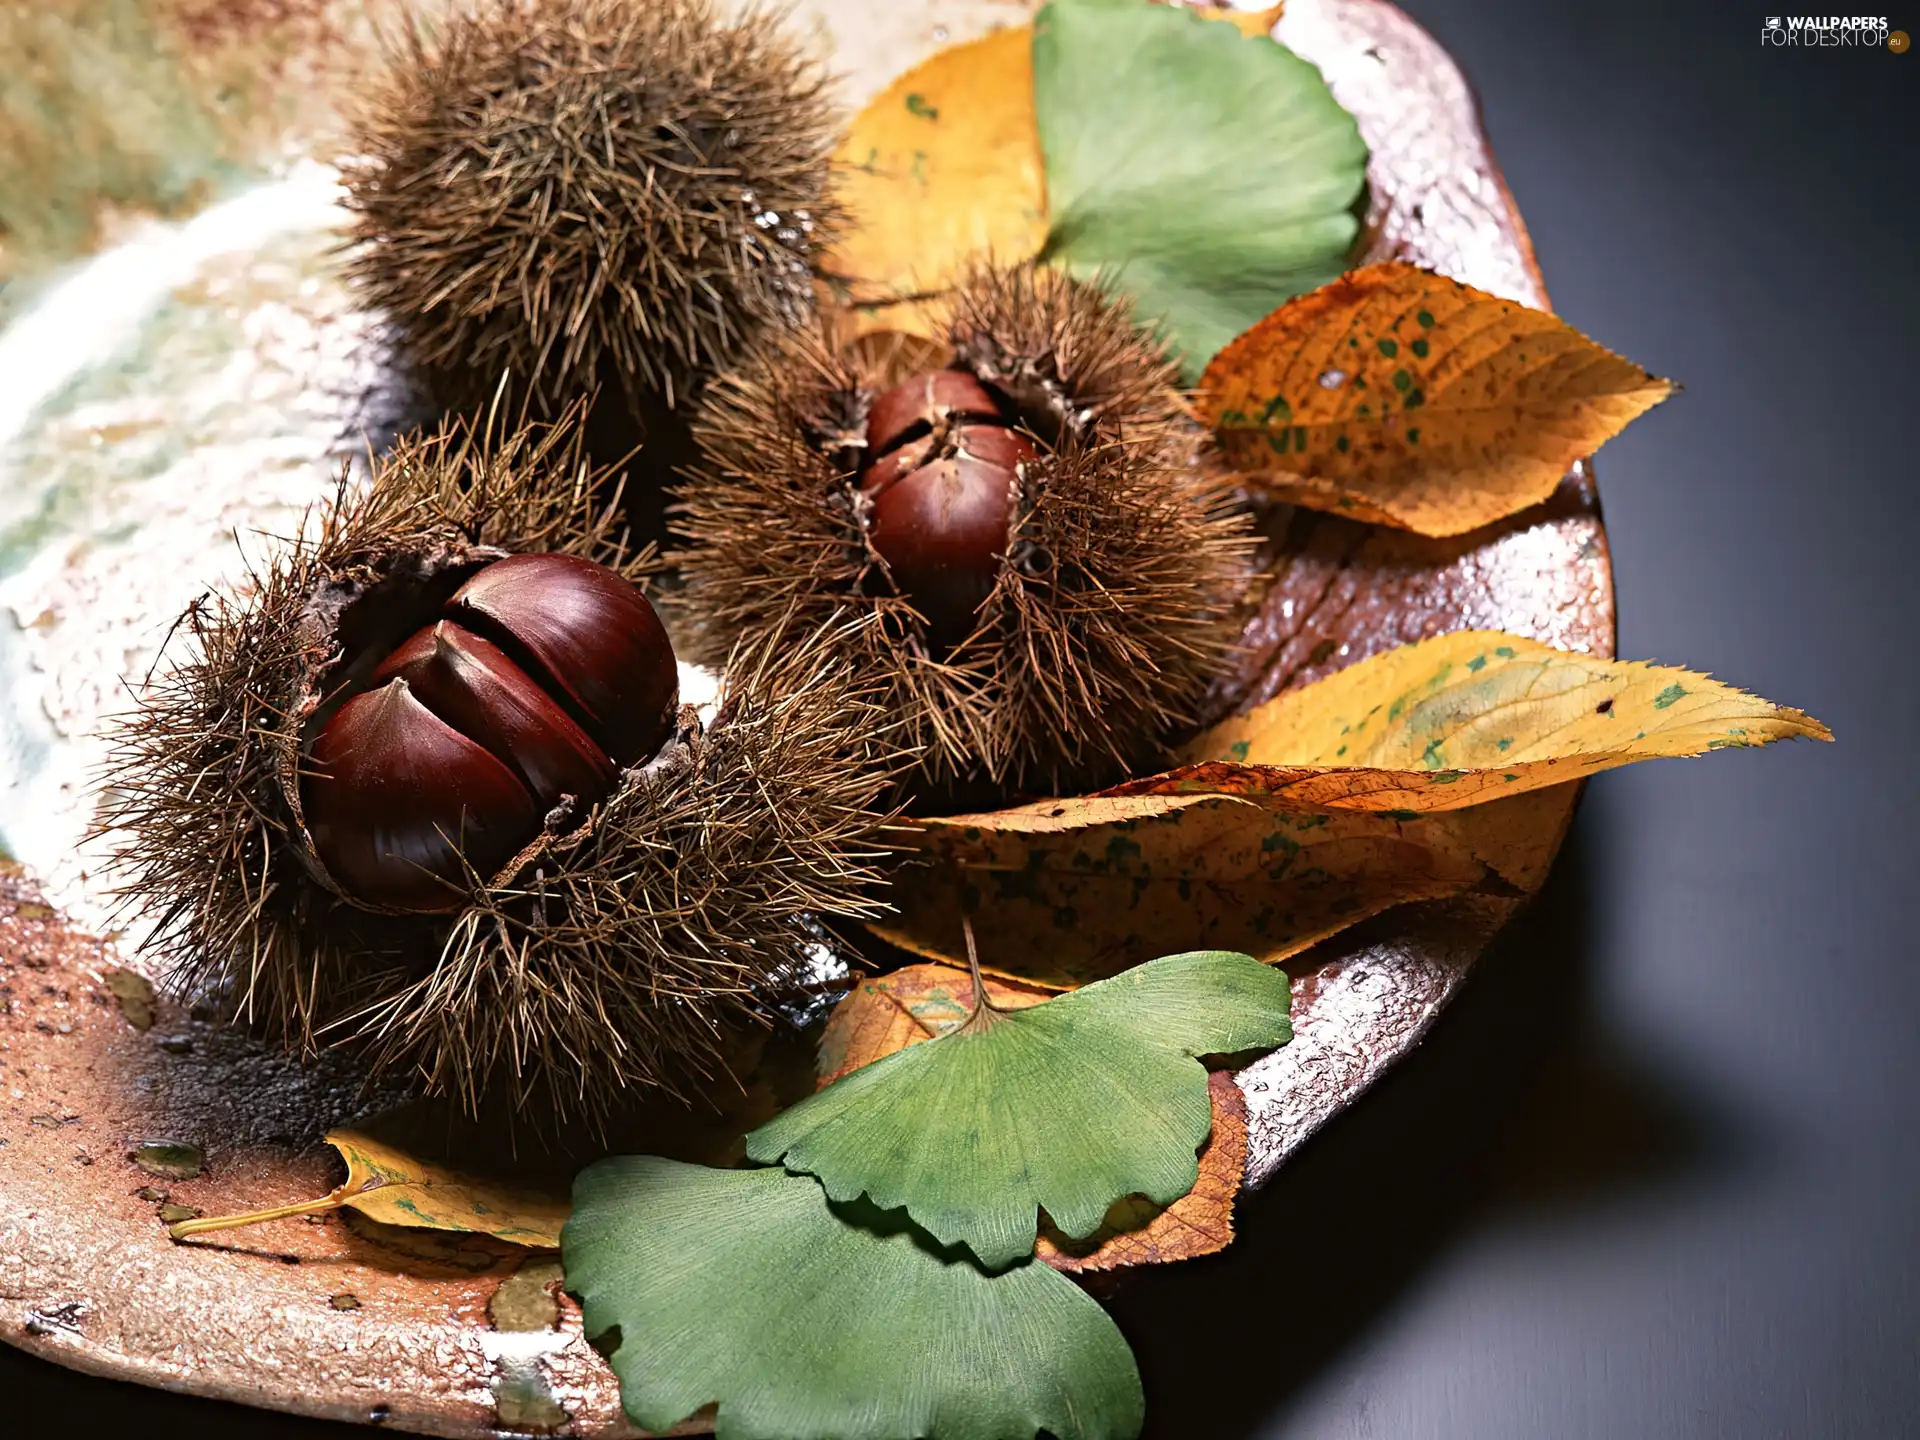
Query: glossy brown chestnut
pixel 914 407
pixel 592 640
pixel 549 678
pixel 944 490
pixel 472 685
pixel 402 803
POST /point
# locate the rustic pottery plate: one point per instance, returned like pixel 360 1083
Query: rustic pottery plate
pixel 181 369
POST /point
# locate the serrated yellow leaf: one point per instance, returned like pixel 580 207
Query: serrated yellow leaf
pixel 1464 719
pixel 1316 810
pixel 1398 396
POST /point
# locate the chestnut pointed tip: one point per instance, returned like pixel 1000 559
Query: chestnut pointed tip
pixel 924 403
pixel 943 493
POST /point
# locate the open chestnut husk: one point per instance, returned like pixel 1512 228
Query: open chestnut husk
pixel 425 789
pixel 1014 527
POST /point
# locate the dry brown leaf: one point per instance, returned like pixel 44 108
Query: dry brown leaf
pixel 916 1003
pixel 1464 719
pixel 1254 24
pixel 1398 396
pixel 1517 838
pixel 943 168
pixel 1139 1232
pixel 1406 777
pixel 1064 892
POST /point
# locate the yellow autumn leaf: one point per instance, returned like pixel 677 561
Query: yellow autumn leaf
pixel 1398 396
pixel 1254 24
pixel 1065 892
pixel 386 1184
pixel 1463 719
pixel 944 167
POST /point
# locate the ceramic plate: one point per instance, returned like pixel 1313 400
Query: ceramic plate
pixel 172 387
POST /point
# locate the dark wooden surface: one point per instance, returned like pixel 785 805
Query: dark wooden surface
pixel 1655 1174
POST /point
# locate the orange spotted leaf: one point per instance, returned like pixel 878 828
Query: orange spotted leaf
pixel 1398 396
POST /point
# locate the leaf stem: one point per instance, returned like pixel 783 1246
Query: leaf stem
pixel 984 1014
pixel 338 1197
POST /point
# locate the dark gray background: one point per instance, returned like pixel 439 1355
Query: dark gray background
pixel 1656 1173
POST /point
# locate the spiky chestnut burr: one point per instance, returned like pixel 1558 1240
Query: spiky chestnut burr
pixel 1050 570
pixel 578 193
pixel 671 888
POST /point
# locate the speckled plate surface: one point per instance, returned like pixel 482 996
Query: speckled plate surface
pixel 196 380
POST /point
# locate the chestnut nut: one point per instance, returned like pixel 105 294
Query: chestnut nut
pixel 943 481
pixel 543 678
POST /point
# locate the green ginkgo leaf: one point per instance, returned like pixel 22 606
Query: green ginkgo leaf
pixel 1209 174
pixel 1066 1106
pixel 805 1321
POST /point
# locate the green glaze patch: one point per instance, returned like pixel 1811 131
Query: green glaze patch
pixel 106 109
